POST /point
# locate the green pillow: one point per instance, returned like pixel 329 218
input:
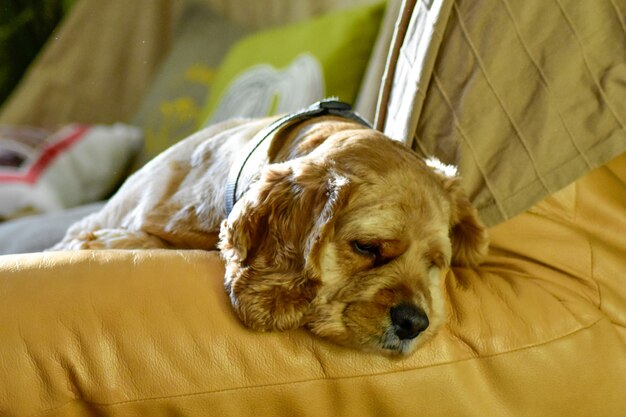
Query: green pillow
pixel 285 69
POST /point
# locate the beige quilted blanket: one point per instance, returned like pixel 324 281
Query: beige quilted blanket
pixel 525 96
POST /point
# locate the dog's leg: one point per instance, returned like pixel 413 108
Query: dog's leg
pixel 112 239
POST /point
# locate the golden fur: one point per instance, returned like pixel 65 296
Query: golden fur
pixel 343 226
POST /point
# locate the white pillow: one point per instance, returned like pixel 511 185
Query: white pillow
pixel 42 172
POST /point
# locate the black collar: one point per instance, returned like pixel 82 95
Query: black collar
pixel 321 108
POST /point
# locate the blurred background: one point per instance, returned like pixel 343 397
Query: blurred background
pixel 90 90
pixel 25 26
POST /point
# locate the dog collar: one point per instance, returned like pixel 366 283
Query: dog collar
pixel 259 141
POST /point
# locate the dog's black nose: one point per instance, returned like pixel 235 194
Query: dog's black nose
pixel 408 320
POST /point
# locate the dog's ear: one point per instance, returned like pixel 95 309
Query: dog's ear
pixel 467 233
pixel 268 240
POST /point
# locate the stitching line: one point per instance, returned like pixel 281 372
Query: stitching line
pixel 587 65
pixel 619 16
pixel 544 78
pixel 520 136
pixel 457 124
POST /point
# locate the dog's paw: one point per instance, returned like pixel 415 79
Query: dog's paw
pixel 88 240
pixel 117 239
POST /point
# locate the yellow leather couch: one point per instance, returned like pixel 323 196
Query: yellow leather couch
pixel 538 330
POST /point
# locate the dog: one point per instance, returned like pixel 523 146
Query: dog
pixel 340 229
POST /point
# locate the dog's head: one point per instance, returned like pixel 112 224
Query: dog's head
pixel 353 241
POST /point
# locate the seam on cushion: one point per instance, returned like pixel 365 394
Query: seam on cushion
pixel 584 56
pixel 218 391
pixel 58 407
pixel 457 124
pixel 587 237
pixel 545 81
pixel 591 274
pixel 518 132
pixel 619 16
pixel 576 205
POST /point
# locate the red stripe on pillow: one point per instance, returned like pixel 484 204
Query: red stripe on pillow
pixel 47 156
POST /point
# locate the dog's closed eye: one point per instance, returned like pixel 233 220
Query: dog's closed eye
pixel 365 248
pixel 378 253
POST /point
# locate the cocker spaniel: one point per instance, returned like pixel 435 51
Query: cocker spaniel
pixel 336 228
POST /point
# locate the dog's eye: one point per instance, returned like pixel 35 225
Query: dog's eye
pixel 364 248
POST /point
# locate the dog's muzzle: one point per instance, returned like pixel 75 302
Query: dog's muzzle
pixel 408 321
